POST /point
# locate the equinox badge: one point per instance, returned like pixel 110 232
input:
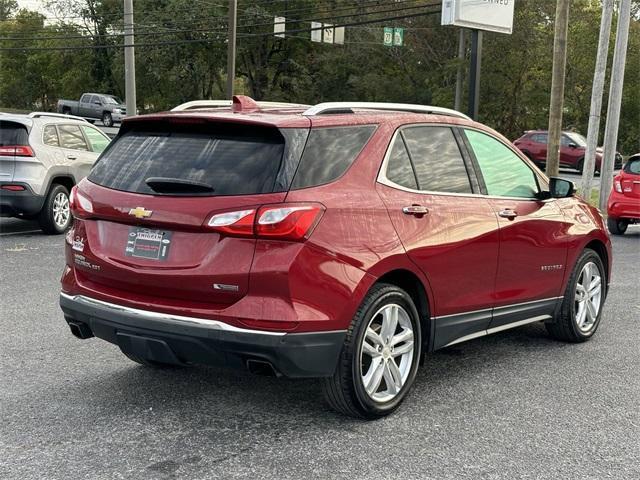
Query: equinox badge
pixel 140 212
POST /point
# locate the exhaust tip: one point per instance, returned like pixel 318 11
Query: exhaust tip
pixel 262 368
pixel 80 330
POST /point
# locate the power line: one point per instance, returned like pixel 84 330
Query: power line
pixel 206 40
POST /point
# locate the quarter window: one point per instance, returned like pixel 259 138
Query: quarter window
pixel 505 174
pixel 50 136
pixel 71 137
pixel 329 153
pixel 437 160
pixel 399 169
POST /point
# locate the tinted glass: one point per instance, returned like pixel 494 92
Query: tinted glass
pixel 437 160
pixel 540 138
pixel 505 174
pixel 233 160
pixel 71 137
pixel 96 139
pixel 633 166
pixel 85 98
pixel 50 136
pixel 329 153
pixel 399 169
pixel 13 134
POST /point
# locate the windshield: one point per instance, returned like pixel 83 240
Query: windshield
pixel 112 100
pixel 578 139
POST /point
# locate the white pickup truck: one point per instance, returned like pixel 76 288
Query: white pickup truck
pixel 95 106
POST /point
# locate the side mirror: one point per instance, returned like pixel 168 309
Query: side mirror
pixel 573 145
pixel 561 188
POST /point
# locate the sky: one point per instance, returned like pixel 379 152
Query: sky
pixel 31 4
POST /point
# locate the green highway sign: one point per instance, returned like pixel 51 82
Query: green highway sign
pixel 388 37
pixel 398 37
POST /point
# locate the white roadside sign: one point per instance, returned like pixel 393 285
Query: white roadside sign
pixel 490 15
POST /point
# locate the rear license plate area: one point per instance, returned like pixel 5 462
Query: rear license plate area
pixel 148 243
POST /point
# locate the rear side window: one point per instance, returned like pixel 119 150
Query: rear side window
pixel 71 137
pixel 399 169
pixel 13 134
pixel 437 160
pixel 50 136
pixel 329 153
pixel 232 160
pixel 633 166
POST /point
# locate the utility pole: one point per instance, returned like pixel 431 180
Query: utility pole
pixel 231 47
pixel 129 59
pixel 460 74
pixel 474 73
pixel 557 87
pixel 589 162
pixel 615 102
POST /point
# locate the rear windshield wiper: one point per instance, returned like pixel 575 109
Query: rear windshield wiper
pixel 177 185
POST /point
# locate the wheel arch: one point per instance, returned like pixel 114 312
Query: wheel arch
pixel 415 287
pixel 66 181
pixel 600 248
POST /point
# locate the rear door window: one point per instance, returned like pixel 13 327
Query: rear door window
pixel 399 168
pixel 50 136
pixel 72 138
pixel 329 153
pixel 13 134
pixel 437 160
pixel 232 160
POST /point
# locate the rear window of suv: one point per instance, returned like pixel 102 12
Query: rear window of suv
pixel 232 159
pixel 13 134
pixel 633 165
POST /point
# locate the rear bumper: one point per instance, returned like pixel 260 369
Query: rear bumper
pixel 620 206
pixel 25 202
pixel 184 340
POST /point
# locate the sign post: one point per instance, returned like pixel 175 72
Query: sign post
pixel 479 16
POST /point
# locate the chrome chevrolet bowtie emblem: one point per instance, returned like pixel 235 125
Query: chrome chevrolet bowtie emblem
pixel 140 212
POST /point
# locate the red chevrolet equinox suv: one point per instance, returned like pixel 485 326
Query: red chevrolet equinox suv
pixel 342 241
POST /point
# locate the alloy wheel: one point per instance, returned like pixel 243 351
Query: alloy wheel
pixel 387 353
pixel 61 212
pixel 588 297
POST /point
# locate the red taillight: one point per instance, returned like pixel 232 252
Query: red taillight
pixel 285 221
pixel 13 188
pixel 288 221
pixel 80 205
pixel 17 150
pixel 617 185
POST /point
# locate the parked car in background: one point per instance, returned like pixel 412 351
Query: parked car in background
pixel 573 147
pixel 340 241
pixel 95 106
pixel 42 156
pixel 623 207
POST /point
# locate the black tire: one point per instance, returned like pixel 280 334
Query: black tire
pixel 47 218
pixel 149 363
pixel 565 326
pixel 107 120
pixel 617 226
pixel 580 165
pixel 66 111
pixel 344 391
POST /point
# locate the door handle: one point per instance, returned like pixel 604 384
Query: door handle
pixel 508 213
pixel 417 210
pixel 72 157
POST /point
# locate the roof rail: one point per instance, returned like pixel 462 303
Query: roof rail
pixel 340 107
pixel 204 104
pixel 56 115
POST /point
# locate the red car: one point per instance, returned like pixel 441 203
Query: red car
pixel 573 147
pixel 342 241
pixel 623 206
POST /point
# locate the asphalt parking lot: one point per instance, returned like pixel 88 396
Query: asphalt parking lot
pixel 513 405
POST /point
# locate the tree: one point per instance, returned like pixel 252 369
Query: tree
pixel 7 9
